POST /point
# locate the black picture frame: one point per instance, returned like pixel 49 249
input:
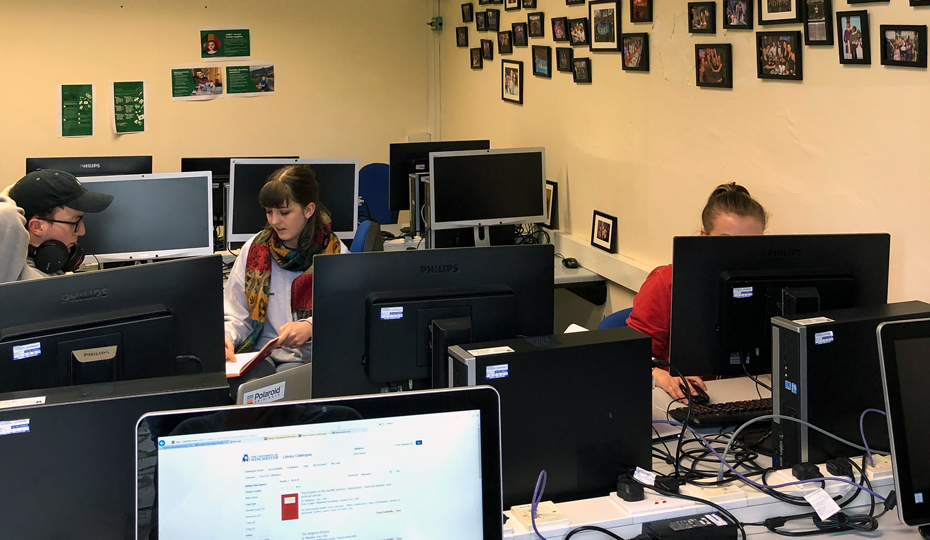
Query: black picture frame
pixel 536 24
pixel 575 2
pixel 702 17
pixel 909 41
pixel 560 29
pixel 552 205
pixel 774 51
pixel 738 14
pixel 483 2
pixel 476 60
pixel 707 58
pixel 640 11
pixel 868 1
pixel 604 24
pixel 563 59
pixel 529 4
pixel 481 21
pixel 512 81
pixel 461 36
pixel 635 49
pixel 918 3
pixel 505 42
pixel 542 61
pixel 468 12
pixel 494 20
pixel 856 47
pixel 581 70
pixel 778 11
pixel 818 22
pixel 511 5
pixel 519 34
pixel 604 232
pixel 578 32
pixel 487 49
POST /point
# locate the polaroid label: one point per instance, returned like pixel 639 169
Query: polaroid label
pixel 392 313
pixel 14 427
pixel 23 402
pixel 813 320
pixel 491 350
pixel 821 338
pixel 742 292
pixel 30 350
pixel 500 371
pixel 268 394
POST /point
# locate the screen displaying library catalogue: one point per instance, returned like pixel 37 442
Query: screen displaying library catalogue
pixel 409 477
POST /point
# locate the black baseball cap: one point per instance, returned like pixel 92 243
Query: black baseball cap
pixel 49 188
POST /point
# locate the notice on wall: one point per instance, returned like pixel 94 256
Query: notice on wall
pixel 253 80
pixel 192 83
pixel 128 107
pixel 75 110
pixel 225 43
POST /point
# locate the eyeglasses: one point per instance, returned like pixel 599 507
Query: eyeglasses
pixel 74 224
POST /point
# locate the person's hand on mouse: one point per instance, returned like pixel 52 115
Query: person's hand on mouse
pixel 672 385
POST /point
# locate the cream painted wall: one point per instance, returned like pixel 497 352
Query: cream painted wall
pixel 351 77
pixel 843 151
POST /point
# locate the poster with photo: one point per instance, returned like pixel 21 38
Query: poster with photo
pixel 225 43
pixel 128 107
pixel 75 110
pixel 196 83
pixel 253 80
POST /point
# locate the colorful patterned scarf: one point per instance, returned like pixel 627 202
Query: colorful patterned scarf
pixel 267 247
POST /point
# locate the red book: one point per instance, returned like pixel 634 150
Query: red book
pixel 246 361
pixel 289 507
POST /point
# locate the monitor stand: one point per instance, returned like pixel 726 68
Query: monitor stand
pixel 482 238
pixel 924 531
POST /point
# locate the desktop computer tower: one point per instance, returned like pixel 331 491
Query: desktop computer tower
pixel 418 198
pixel 578 405
pixel 825 371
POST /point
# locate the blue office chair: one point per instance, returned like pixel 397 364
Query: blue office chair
pixel 616 319
pixel 373 188
pixel 367 238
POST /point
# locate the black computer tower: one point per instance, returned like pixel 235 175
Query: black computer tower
pixel 577 405
pixel 825 371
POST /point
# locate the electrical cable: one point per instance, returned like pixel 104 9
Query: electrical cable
pixel 742 361
pixel 862 432
pixel 537 497
pixel 730 517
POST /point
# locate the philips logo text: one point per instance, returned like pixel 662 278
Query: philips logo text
pixel 791 252
pixel 83 295
pixel 90 165
pixel 439 269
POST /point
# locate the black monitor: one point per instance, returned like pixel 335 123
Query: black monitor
pixel 374 313
pixel 409 158
pixel 93 166
pixel 136 322
pixel 726 289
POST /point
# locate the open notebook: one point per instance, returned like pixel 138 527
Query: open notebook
pixel 414 465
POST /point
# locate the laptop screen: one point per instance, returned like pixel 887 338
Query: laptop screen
pixel 328 469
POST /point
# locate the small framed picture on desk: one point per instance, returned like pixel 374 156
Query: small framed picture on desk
pixel 604 232
pixel 552 205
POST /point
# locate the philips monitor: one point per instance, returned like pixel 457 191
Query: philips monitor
pixel 93 166
pixel 135 322
pixel 476 189
pixel 409 158
pixel 726 289
pixel 338 180
pixel 377 314
pixel 152 216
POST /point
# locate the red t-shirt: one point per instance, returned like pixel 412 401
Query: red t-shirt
pixel 652 310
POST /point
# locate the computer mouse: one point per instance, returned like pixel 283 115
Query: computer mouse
pixel 701 398
pixel 570 262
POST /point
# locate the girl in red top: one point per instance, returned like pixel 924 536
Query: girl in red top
pixel 730 211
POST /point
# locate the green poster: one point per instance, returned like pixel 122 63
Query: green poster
pixel 246 80
pixel 192 82
pixel 77 110
pixel 129 106
pixel 220 44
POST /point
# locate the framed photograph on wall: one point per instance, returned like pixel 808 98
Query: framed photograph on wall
pixel 635 51
pixel 920 2
pixel 713 65
pixel 529 4
pixel 511 5
pixel 778 55
pixel 494 20
pixel 560 29
pixel 604 22
pixel 481 21
pixel 737 14
pixel 578 31
pixel 536 22
pixel 468 13
pixel 778 11
pixel 563 58
pixel 505 42
pixel 702 17
pixel 461 36
pixel 868 1
pixel 519 34
pixel 854 37
pixel 574 2
pixel 552 205
pixel 542 61
pixel 903 45
pixel 487 49
pixel 581 70
pixel 818 22
pixel 604 232
pixel 640 11
pixel 477 62
pixel 512 81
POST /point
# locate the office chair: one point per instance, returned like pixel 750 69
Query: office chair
pixel 616 319
pixel 367 238
pixel 373 188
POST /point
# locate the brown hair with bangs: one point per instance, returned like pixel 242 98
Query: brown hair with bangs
pixel 294 183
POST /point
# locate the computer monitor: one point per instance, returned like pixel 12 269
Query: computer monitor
pixel 479 188
pixel 338 180
pixel 375 313
pixel 409 158
pixel 93 166
pixel 152 216
pixel 136 322
pixel 726 289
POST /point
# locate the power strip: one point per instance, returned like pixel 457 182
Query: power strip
pixel 881 470
pixel 728 496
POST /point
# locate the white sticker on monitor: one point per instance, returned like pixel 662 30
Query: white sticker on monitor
pixel 13 427
pixel 716 520
pixel 268 394
pixel 742 292
pixel 23 402
pixel 29 350
pixel 919 498
pixel 821 338
pixel 813 320
pixel 500 371
pixel 490 350
pixel 392 313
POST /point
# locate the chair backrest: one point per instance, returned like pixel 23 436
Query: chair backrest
pixel 367 238
pixel 373 188
pixel 616 319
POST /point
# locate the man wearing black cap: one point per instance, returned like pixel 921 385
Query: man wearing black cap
pixel 41 219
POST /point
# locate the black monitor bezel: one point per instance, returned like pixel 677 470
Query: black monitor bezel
pixel 403 153
pixel 133 165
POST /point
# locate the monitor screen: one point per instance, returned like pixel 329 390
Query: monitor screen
pixel 409 158
pixel 726 289
pixel 93 166
pixel 338 180
pixel 487 187
pixel 374 312
pixel 135 322
pixel 152 216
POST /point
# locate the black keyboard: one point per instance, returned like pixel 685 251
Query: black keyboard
pixel 717 414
